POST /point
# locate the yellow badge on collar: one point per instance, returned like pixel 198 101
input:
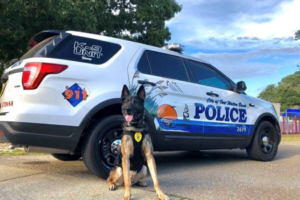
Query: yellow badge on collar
pixel 138 136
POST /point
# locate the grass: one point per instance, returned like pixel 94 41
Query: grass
pixel 17 153
pixel 4 151
pixel 12 153
pixel 290 137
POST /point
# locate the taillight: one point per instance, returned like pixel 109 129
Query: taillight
pixel 34 73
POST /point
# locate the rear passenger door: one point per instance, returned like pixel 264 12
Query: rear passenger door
pixel 223 111
pixel 170 102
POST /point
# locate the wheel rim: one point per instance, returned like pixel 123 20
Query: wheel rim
pixel 109 146
pixel 267 141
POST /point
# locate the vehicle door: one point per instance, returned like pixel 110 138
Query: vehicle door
pixel 170 99
pixel 225 113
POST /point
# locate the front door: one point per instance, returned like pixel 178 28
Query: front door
pixel 224 112
pixel 170 101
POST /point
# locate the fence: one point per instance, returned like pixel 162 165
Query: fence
pixel 289 126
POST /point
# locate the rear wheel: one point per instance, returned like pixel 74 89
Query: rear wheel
pixel 264 145
pixel 66 157
pixel 101 144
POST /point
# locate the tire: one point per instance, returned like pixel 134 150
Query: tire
pixel 97 153
pixel 66 157
pixel 258 150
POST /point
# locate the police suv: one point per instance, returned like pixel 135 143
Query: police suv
pixel 63 97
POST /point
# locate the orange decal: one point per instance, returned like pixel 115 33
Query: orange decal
pixel 167 111
pixel 77 94
pixel 84 94
pixel 69 94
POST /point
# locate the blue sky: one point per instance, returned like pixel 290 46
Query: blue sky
pixel 247 40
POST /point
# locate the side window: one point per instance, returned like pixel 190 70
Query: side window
pixel 87 50
pixel 205 75
pixel 168 66
pixel 143 65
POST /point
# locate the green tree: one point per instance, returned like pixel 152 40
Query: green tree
pixel 297 35
pixel 268 93
pixel 138 20
pixel 287 92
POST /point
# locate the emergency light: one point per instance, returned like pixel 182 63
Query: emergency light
pixel 175 47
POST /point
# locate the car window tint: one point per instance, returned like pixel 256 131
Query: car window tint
pixel 143 65
pixel 87 50
pixel 168 66
pixel 205 75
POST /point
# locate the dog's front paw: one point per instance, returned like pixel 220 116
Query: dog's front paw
pixel 162 197
pixel 112 187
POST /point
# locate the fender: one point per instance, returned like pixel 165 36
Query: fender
pixel 97 108
pixel 259 119
pixel 115 101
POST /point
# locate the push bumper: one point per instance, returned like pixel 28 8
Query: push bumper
pixel 40 135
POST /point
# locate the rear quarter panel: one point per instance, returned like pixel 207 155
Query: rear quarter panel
pixel 47 105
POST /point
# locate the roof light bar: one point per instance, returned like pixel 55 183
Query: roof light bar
pixel 175 47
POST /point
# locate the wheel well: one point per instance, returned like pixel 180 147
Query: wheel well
pixel 272 121
pixel 114 109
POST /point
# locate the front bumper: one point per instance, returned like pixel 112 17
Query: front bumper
pixel 41 135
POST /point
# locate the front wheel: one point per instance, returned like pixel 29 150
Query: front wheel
pixel 101 145
pixel 264 145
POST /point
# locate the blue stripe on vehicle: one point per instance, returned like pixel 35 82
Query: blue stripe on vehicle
pixel 204 127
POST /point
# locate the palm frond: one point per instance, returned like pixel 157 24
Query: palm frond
pixel 162 87
pixel 159 82
pixel 136 75
pixel 162 94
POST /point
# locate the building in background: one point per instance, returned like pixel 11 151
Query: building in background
pixel 277 107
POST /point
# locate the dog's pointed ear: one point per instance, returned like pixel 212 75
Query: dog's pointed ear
pixel 125 92
pixel 142 93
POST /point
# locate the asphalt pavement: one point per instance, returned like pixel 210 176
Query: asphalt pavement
pixel 224 174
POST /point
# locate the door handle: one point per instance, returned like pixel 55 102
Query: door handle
pixel 146 82
pixel 252 105
pixel 212 94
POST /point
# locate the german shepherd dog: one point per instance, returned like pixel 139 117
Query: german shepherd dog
pixel 136 147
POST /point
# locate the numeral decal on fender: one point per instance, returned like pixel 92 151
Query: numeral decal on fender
pixel 76 94
pixel 241 129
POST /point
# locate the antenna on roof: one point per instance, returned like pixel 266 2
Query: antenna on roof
pixel 175 47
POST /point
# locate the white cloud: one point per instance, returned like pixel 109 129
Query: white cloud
pixel 243 65
pixel 227 20
pixel 284 23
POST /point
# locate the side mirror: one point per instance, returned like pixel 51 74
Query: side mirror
pixel 241 87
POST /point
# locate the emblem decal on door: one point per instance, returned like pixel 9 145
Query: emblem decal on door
pixel 160 88
pixel 76 94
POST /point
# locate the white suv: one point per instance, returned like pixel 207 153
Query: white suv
pixel 63 97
